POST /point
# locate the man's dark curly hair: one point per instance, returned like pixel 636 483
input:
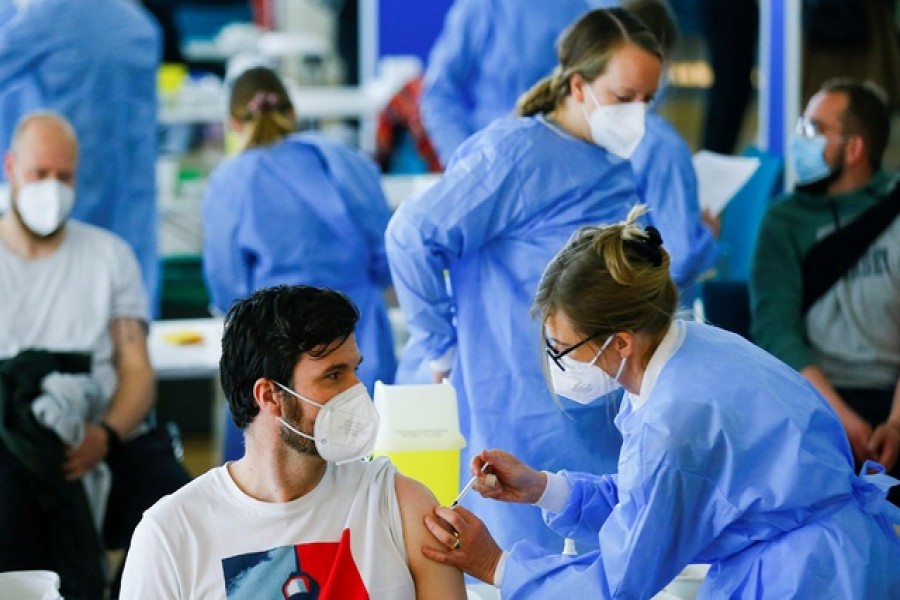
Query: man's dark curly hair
pixel 267 333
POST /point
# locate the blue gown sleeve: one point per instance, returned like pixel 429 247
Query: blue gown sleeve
pixel 473 203
pixel 447 98
pixel 225 267
pixel 667 183
pixel 591 499
pixel 665 516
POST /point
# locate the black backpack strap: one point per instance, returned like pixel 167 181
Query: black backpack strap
pixel 835 254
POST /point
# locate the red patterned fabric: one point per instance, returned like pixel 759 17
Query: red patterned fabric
pixel 403 112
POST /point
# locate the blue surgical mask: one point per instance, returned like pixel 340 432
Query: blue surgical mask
pixel 807 156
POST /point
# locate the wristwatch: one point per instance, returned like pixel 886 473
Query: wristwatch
pixel 113 440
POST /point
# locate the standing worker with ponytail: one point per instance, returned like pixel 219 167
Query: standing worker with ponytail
pixel 729 458
pixel 297 209
pixel 508 202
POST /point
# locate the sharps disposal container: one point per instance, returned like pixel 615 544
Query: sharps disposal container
pixel 419 432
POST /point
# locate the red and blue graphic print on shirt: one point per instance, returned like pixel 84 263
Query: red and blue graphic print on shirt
pixel 313 571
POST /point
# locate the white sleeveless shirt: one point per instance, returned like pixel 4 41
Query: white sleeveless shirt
pixel 343 540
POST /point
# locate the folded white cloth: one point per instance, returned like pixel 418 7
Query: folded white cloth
pixel 67 402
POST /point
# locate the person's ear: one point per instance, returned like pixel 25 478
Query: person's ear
pixel 623 343
pixel 855 150
pixel 576 87
pixel 8 163
pixel 267 396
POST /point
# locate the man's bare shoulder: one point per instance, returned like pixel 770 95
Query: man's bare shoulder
pixel 432 580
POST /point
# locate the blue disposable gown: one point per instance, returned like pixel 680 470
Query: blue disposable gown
pixel 511 198
pixel 733 460
pixel 667 183
pixel 488 53
pixel 94 61
pixel 307 210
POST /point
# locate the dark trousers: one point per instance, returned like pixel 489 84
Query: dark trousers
pixel 143 471
pixel 732 29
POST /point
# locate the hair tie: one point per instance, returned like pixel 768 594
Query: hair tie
pixel 263 101
pixel 653 236
pixel 649 245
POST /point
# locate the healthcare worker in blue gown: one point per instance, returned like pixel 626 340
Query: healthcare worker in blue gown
pixel 729 458
pixel 508 202
pixel 489 53
pixel 662 163
pixel 298 208
pixel 94 62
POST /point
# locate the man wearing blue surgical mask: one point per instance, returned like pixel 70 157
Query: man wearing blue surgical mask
pixel 826 273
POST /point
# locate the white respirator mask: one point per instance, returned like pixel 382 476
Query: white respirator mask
pixel 618 128
pixel 583 382
pixel 44 205
pixel 345 427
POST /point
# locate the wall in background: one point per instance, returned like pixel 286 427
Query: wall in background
pixel 410 26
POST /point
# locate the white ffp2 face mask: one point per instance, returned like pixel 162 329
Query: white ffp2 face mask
pixel 44 205
pixel 584 382
pixel 345 427
pixel 617 127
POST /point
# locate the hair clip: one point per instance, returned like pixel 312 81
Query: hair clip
pixel 263 101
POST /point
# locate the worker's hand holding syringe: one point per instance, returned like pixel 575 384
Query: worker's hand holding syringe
pixel 508 479
pixel 470 546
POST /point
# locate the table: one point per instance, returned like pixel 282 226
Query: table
pixel 173 362
pixel 186 361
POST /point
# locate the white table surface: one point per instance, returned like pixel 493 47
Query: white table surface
pixel 183 361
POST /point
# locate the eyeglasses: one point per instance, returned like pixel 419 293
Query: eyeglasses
pixel 557 356
pixel 809 129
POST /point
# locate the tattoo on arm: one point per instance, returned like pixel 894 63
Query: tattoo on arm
pixel 125 332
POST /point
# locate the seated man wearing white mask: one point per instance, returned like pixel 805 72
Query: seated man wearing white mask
pixel 68 287
pixel 300 513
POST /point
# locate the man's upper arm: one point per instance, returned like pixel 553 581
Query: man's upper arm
pixel 776 292
pixel 129 336
pixel 432 580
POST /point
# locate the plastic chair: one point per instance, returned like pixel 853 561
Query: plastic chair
pixel 726 304
pixel 742 216
pixel 232 440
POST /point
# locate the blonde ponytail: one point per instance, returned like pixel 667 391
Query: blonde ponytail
pixel 269 125
pixel 260 100
pixel 543 96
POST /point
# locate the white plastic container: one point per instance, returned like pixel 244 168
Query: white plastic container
pixel 29 585
pixel 686 584
pixel 419 432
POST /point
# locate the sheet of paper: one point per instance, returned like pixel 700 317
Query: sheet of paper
pixel 719 177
